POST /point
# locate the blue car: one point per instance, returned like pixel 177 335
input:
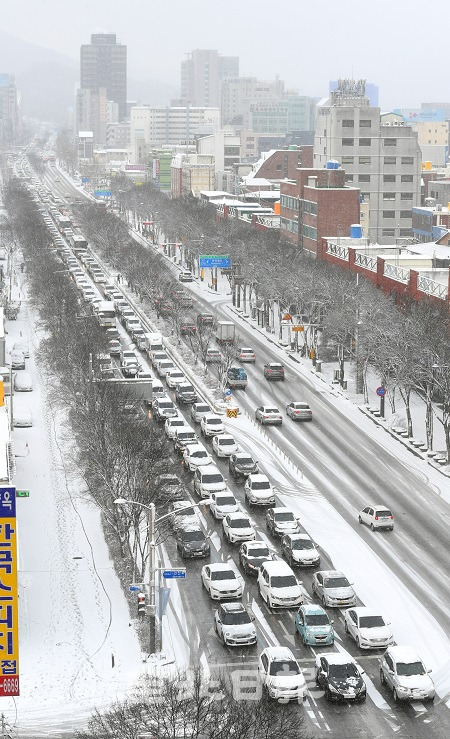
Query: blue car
pixel 314 626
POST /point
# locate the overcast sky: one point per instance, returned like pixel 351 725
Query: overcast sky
pixel 397 44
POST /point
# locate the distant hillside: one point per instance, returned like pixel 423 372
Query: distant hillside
pixel 47 80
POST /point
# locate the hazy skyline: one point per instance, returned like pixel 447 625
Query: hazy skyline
pixel 383 42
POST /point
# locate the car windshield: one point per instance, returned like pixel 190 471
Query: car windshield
pixel 193 535
pixel 260 552
pixel 185 435
pixel 262 485
pixel 177 422
pixel 336 582
pixel 241 617
pixel 223 575
pixel 244 461
pixel 410 668
pixel 226 442
pixel 283 581
pixel 316 619
pixel 383 514
pixel 285 516
pixel 186 389
pixel 209 479
pixel 185 512
pixel 240 523
pixel 302 544
pixel 213 421
pixel 272 410
pixel 165 404
pixel 371 622
pixel 341 672
pixel 200 453
pixel 202 409
pixel 229 500
pixel 284 667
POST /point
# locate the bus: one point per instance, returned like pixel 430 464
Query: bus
pixel 106 313
pixel 78 243
pixel 63 223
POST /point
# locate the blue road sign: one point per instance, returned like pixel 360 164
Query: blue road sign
pixel 227 393
pixel 103 193
pixel 381 391
pixel 174 574
pixel 215 261
pixel 136 587
pixel 85 179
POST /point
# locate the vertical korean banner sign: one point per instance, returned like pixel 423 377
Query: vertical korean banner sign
pixel 9 595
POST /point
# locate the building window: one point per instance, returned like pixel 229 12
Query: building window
pixel 390 142
pixel 388 213
pixel 390 160
pixel 279 167
pixel 347 160
pixel 406 196
pixel 364 160
pixel 365 142
pixel 347 123
pixel 389 196
pixel 365 123
pixel 388 232
pixel 407 178
pixel 310 232
pixel 365 197
pixel 389 178
pixel 405 232
pixel 407 160
pixel 347 142
pixel 405 214
pixel 349 178
pixel 364 178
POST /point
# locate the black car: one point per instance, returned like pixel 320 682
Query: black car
pixel 185 393
pixel 252 554
pixel 192 543
pixel 340 677
pixel 274 371
pixel 241 465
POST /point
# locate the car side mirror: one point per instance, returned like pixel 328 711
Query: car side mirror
pixel 332 621
pixel 430 670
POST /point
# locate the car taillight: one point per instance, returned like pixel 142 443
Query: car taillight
pixel 376 518
pixel 392 517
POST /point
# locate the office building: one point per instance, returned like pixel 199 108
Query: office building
pixel 382 159
pixel 103 64
pixel 202 74
pixel 9 112
pixel 371 91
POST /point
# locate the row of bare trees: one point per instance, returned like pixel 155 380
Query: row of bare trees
pixel 406 345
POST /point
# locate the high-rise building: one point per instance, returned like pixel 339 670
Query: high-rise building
pixel 9 115
pixel 382 159
pixel 371 91
pixel 103 64
pixel 202 74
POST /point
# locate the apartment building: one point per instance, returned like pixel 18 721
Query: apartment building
pixel 202 74
pixel 383 160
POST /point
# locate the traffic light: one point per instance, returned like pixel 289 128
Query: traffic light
pixel 141 605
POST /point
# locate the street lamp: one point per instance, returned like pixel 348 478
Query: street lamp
pixel 151 524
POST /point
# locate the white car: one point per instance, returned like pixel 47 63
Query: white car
pixel 402 670
pixel 234 625
pixel 17 359
pixel 23 382
pixel 198 410
pixel 221 582
pixel 210 425
pixel 367 628
pixel 258 490
pixel 164 366
pixel 174 378
pixel 278 585
pixel 184 515
pixel 129 363
pixel 237 527
pixel 172 424
pixel 196 456
pixel 245 354
pixel 280 674
pixel 208 480
pixel 268 414
pixel 222 504
pixel 23 347
pixel 224 445
pixel 377 517
pixel 299 411
pixel 299 549
pixel 23 417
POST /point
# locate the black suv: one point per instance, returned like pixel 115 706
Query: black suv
pixel 340 678
pixel 274 371
pixel 241 465
pixel 192 543
pixel 185 393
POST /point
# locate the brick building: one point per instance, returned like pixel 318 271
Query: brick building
pixel 282 164
pixel 317 203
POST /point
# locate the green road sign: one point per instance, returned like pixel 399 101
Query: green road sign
pixel 22 493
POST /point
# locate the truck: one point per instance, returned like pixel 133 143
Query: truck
pixel 237 377
pixel 106 313
pixel 225 332
pixel 154 343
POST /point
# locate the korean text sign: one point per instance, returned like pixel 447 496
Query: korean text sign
pixel 9 616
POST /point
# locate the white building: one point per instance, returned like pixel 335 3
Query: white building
pixel 167 126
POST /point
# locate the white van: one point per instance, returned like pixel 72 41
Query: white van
pixel 278 585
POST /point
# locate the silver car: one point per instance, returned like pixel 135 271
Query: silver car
pixel 402 670
pixel 333 589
